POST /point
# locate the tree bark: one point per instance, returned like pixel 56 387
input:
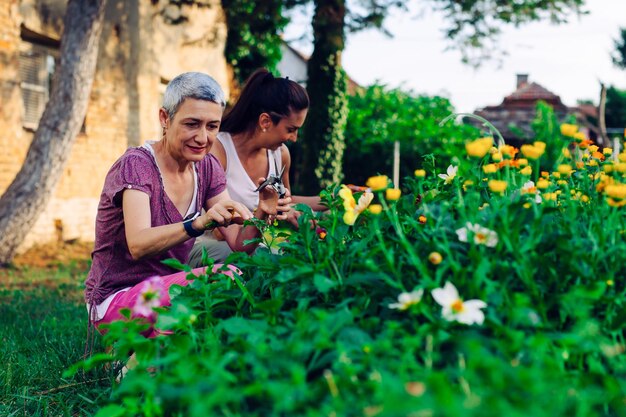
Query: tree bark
pixel 320 154
pixel 30 191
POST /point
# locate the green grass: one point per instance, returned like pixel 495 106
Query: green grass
pixel 43 330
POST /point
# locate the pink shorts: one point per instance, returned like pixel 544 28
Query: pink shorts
pixel 129 299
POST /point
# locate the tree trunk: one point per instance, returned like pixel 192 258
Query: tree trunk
pixel 604 138
pixel 318 162
pixel 30 191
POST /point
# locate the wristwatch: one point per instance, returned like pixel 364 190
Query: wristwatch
pixel 189 228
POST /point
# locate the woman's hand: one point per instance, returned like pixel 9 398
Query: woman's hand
pixel 223 213
pixel 271 205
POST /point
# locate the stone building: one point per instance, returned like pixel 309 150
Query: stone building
pixel 141 49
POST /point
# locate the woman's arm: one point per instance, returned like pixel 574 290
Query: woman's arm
pixel 144 240
pixel 235 235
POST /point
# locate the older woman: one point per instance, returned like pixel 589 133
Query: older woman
pixel 151 207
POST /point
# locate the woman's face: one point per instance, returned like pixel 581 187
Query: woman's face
pixel 286 130
pixel 192 131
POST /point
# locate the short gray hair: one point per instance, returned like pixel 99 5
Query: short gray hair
pixel 196 85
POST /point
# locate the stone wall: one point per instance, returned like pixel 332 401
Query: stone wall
pixel 139 51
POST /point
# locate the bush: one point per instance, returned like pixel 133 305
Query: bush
pixel 359 316
pixel 379 116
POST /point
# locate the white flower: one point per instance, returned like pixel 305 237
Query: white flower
pixel 407 299
pixel 453 308
pixel 482 235
pixel 150 297
pixel 530 188
pixel 451 173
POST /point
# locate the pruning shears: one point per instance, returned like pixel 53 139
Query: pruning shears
pixel 275 181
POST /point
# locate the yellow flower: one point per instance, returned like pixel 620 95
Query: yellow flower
pixel 479 147
pixel 565 169
pixel 540 145
pixel 496 156
pixel 435 258
pixel 497 186
pixel 526 170
pixel 593 148
pixel 607 168
pixel 567 153
pixel 490 168
pixel 568 129
pixel 375 209
pixel 349 217
pixel 467 184
pixel 377 183
pixel 542 184
pixel 561 182
pixel 550 196
pixel 531 151
pixel 556 174
pixel 607 151
pixel 508 151
pixel 545 174
pixel 421 173
pixel 522 162
pixel 579 136
pixel 620 167
pixel 392 194
pixel 352 208
pixel 615 203
pixel 616 191
pixel 622 157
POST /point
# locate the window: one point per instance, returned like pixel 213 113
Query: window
pixel 37 66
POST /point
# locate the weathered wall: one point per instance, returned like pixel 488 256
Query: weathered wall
pixel 138 51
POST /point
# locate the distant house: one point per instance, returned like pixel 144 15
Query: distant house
pixel 513 117
pixel 293 64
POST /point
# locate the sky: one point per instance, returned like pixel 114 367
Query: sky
pixel 568 59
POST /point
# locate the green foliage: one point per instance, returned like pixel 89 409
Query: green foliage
pixel 619 57
pixel 379 116
pixel 253 39
pixel 313 330
pixel 615 107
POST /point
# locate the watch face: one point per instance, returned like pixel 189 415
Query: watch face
pixel 192 216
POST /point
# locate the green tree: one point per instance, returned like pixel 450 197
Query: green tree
pixel 615 107
pixel 21 203
pixel 619 57
pixel 253 39
pixel 473 27
pixel 379 116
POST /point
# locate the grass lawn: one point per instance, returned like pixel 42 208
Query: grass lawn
pixel 43 329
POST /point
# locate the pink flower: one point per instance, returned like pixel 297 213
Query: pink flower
pixel 150 297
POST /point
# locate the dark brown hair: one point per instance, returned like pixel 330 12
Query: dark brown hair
pixel 264 93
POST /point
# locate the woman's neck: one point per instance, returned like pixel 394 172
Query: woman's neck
pixel 247 144
pixel 167 162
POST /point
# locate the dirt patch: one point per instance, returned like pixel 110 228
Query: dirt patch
pixel 52 255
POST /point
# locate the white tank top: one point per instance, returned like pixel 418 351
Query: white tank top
pixel 238 182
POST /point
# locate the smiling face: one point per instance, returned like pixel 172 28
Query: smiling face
pixel 192 131
pixel 286 130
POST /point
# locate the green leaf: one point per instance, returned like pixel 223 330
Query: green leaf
pixel 323 283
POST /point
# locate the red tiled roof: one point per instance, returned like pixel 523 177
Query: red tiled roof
pixel 529 93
